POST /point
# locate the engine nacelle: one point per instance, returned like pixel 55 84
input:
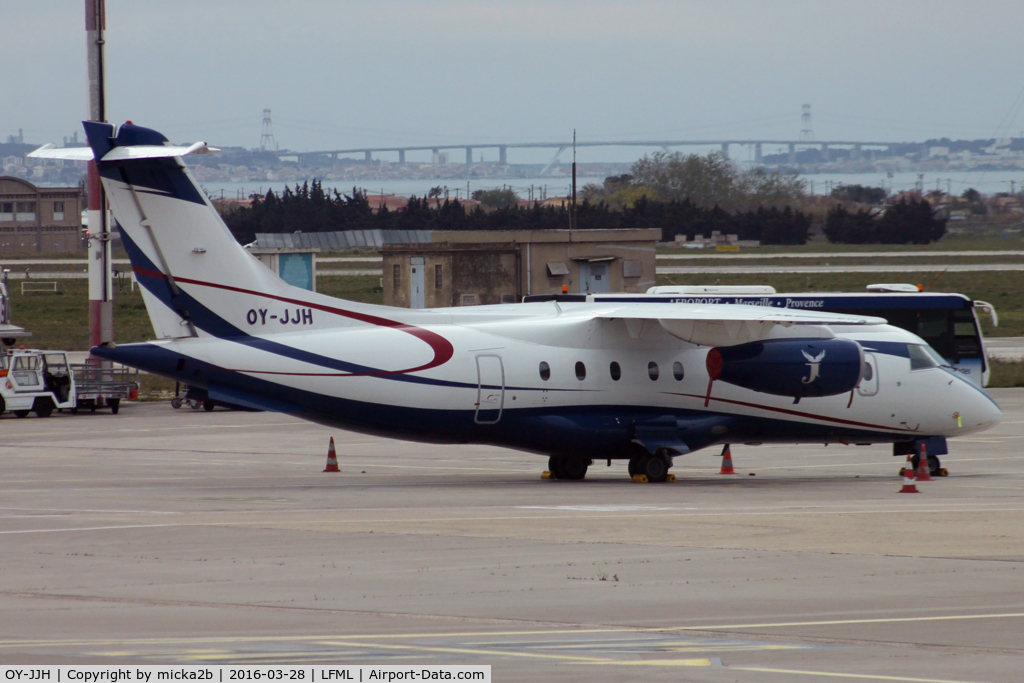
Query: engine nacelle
pixel 790 367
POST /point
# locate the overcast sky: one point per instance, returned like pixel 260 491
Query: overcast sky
pixel 340 73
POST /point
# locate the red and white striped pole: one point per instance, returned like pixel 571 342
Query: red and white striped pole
pixel 101 291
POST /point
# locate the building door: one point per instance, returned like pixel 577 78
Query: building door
pixel 594 277
pixel 490 389
pixel 417 290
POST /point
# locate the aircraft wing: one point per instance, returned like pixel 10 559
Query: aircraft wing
pixel 51 151
pixel 730 324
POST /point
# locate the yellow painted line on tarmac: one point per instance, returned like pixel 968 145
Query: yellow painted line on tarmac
pixel 654 662
pixel 830 674
pixel 428 649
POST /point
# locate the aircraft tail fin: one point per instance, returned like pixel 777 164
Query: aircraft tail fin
pixel 181 251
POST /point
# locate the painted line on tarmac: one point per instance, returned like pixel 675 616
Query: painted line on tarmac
pixel 277 524
pixel 830 674
pixel 841 622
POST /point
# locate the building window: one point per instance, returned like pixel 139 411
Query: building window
pixel 652 371
pixel 438 278
pixel 58 211
pixel 25 211
pixel 545 371
pixel 581 371
pixel 397 271
pixel 615 371
pixel 677 371
pixel 6 211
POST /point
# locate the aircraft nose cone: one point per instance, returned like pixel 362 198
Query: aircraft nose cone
pixel 982 412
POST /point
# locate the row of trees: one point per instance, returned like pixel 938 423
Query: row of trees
pixel 911 222
pixel 705 181
pixel 309 208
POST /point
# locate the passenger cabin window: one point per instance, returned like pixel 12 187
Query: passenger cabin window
pixel 615 370
pixel 677 371
pixel 545 371
pixel 652 371
pixel 581 371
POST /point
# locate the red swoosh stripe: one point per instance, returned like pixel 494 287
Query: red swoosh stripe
pixel 797 413
pixel 442 348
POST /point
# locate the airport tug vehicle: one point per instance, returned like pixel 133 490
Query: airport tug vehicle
pixel 43 381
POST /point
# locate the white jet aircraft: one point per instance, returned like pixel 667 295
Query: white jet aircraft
pixel 577 381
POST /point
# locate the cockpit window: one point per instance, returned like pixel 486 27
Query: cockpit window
pixel 922 357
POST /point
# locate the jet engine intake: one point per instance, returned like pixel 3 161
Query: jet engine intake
pixel 790 367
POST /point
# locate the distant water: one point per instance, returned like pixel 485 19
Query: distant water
pixel 986 182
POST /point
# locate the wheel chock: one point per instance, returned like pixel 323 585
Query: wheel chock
pixel 943 472
pixel 639 478
pixel 670 479
pixel 546 475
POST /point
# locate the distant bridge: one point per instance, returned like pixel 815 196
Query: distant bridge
pixel 560 147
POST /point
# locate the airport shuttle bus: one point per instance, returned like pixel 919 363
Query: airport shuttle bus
pixel 948 322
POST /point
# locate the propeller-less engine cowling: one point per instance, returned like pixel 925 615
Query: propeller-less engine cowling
pixel 790 367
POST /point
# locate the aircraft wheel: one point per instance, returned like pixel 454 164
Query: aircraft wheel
pixel 22 413
pixel 573 469
pixel 634 465
pixel 555 466
pixel 175 402
pixel 933 464
pixel 208 405
pixel 655 467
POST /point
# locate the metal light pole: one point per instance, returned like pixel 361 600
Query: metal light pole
pixel 101 292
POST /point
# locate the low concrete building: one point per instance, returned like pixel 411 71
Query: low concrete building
pixel 296 266
pixel 39 219
pixel 465 268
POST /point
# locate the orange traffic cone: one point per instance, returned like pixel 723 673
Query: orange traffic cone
pixel 727 461
pixel 332 458
pixel 922 465
pixel 908 477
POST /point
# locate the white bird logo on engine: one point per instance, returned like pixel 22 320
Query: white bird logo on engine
pixel 814 363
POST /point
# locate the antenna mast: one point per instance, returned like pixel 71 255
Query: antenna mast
pixel 267 140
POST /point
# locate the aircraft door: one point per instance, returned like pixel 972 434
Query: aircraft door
pixel 869 383
pixel 417 293
pixel 490 389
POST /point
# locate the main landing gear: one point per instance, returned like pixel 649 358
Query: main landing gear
pixel 654 467
pixel 568 467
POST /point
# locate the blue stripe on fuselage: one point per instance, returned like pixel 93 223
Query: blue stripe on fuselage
pixel 599 431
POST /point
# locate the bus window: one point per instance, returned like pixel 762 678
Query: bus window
pixel 965 336
pixel 933 327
